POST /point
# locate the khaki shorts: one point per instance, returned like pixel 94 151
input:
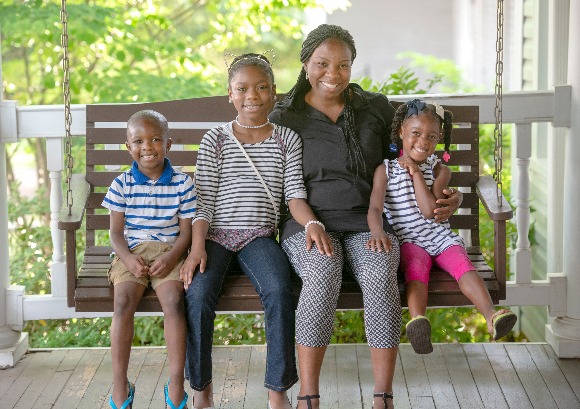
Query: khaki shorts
pixel 149 251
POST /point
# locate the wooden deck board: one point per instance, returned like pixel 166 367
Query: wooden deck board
pixel 555 380
pixel 487 385
pixel 440 380
pixel 460 373
pixel 505 373
pixel 530 377
pixel 487 375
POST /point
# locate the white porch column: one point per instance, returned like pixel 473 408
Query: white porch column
pixel 563 333
pixel 13 344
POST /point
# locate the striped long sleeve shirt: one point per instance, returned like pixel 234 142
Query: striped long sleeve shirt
pixel 230 194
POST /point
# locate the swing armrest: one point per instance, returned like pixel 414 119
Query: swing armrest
pixel 71 223
pixel 80 193
pixel 487 192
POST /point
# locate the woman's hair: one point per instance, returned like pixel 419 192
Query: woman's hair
pixel 314 39
pixel 152 116
pixel 430 109
pixel 250 59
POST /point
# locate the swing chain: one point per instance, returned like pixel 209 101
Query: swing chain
pixel 67 111
pixel 497 132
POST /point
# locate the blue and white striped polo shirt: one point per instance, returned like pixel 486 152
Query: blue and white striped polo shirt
pixel 152 207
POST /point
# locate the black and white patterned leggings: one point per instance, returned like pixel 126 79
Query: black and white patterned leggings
pixel 321 277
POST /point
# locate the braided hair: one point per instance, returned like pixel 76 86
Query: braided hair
pixel 151 116
pixel 314 39
pixel 429 109
pixel 250 59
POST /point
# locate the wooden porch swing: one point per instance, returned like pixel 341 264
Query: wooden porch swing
pixel 88 288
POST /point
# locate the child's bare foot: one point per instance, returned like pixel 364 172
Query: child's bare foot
pixel 278 400
pixel 501 323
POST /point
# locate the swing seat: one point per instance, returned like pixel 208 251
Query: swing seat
pixel 88 289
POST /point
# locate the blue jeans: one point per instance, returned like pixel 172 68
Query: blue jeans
pixel 264 262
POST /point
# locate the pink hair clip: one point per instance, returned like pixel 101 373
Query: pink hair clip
pixel 446 156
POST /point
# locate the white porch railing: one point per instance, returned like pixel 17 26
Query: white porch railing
pixel 520 108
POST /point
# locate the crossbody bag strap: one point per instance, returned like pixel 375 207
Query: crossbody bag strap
pixel 262 181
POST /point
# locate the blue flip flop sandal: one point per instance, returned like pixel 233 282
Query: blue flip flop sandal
pixel 129 402
pixel 168 401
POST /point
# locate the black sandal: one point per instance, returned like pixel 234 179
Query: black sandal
pixel 383 395
pixel 308 398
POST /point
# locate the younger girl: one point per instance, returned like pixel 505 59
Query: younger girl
pixel 244 167
pixel 415 181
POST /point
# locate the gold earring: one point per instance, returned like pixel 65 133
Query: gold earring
pixel 306 74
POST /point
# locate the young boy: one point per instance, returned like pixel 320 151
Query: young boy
pixel 151 209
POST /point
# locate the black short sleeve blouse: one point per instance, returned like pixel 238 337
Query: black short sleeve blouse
pixel 337 192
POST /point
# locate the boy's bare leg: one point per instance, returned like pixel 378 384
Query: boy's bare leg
pixel 127 296
pixel 472 286
pixel 170 294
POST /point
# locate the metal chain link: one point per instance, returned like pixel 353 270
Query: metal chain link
pixel 67 112
pixel 497 132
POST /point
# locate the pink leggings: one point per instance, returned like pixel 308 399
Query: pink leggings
pixel 416 262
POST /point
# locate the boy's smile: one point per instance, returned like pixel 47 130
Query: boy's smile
pixel 148 147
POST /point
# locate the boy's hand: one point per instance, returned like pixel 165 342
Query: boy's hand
pixel 197 257
pixel 316 234
pixel 136 265
pixel 378 242
pixel 162 266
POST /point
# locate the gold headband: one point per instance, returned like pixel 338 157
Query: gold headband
pixel 256 56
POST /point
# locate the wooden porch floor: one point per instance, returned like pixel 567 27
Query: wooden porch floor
pixel 493 375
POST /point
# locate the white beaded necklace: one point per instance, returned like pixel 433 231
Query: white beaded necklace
pixel 252 126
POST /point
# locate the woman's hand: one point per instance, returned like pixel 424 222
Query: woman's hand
pixel 197 257
pixel 379 242
pixel 316 234
pixel 449 205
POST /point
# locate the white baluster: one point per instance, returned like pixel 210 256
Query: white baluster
pixel 55 162
pixel 523 149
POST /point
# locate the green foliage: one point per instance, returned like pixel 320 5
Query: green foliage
pixel 30 234
pixel 239 329
pixel 401 82
pixel 141 50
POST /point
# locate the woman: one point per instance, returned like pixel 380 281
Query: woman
pixel 345 133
